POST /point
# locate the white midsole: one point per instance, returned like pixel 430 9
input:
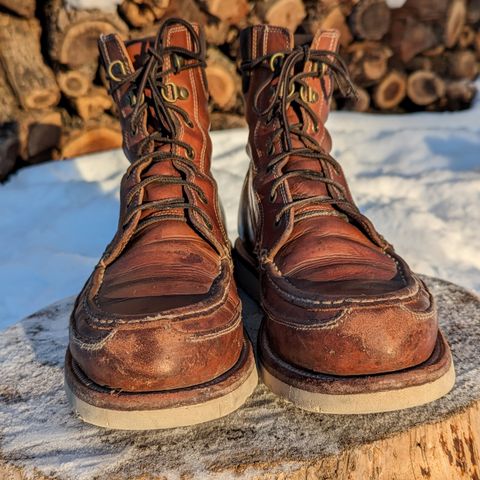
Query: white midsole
pixel 359 403
pixel 164 418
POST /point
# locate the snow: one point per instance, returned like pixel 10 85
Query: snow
pixel 106 5
pixel 416 176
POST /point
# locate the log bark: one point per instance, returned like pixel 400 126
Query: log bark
pixel 31 80
pixel 73 34
pixel 460 95
pixel 39 133
pixel 8 103
pixel 9 148
pixel 370 19
pixel 283 13
pixel 224 83
pixel 409 37
pixel 391 91
pixel 24 8
pixel 424 87
pixel 456 17
pixel 361 103
pixel 473 11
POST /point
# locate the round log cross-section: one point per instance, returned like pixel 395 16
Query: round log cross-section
pixel 267 438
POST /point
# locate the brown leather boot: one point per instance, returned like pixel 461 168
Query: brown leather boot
pixel 156 337
pixel 348 328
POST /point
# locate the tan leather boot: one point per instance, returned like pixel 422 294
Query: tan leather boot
pixel 156 337
pixel 348 328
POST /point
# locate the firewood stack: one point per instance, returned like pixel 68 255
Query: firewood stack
pixel 53 97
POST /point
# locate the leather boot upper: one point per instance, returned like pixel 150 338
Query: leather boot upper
pixel 161 310
pixel 336 296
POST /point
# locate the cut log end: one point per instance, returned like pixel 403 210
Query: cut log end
pixel 370 19
pixel 424 87
pixel 391 91
pixel 92 140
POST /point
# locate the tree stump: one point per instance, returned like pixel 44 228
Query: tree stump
pixel 267 438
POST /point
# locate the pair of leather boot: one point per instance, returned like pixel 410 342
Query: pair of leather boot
pixel 156 335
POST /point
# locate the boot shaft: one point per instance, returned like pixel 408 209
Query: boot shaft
pixel 169 71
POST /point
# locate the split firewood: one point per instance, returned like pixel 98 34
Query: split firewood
pixel 233 12
pixel 93 104
pixel 463 65
pixel 368 62
pixel 408 37
pixel 8 103
pixel 460 94
pixel 31 80
pixel 224 82
pixel 139 13
pixel 370 19
pixel 283 13
pixel 24 8
pixel 391 91
pixel 9 147
pixel 73 34
pixel 39 133
pixel 74 83
pixel 456 17
pixel 425 87
pixel 94 136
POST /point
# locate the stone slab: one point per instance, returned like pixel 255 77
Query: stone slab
pixel 267 438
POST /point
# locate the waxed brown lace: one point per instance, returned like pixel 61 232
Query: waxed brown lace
pixel 151 76
pixel 286 93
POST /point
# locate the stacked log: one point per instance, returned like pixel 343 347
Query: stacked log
pixel 424 55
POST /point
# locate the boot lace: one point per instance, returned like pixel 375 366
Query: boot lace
pixel 151 75
pixel 292 91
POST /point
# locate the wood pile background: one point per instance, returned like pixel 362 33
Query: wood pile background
pixel 53 98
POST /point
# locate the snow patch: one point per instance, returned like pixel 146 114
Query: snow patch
pixel 416 176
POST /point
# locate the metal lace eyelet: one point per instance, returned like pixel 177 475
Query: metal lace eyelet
pixel 177 92
pixel 120 66
pixel 178 62
pixel 191 153
pixel 276 57
pixel 308 94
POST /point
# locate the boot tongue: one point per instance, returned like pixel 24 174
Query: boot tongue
pixel 175 35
